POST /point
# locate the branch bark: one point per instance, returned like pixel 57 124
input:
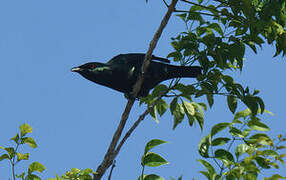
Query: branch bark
pixel 110 154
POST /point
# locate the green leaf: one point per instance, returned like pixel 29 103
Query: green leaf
pixel 173 104
pixel 236 132
pixel 269 112
pixel 251 176
pixel 21 156
pixel 190 111
pixel 262 162
pixel 204 146
pixel 269 152
pixel 208 166
pixel 32 177
pixel 241 149
pixel 177 111
pixel 219 127
pixel 275 177
pixel 261 138
pixel 217 28
pixel 149 100
pixel 36 166
pixel 210 99
pixel 232 103
pixel 203 105
pixel 220 141
pixel 21 175
pixel 161 107
pixel 16 138
pixel 251 103
pixel 206 174
pixel 153 114
pixel 153 177
pixel 261 103
pixel 4 156
pixel 199 114
pixel 159 90
pixel 87 171
pixel 25 128
pixel 152 159
pixel 176 55
pixel 30 141
pixel 153 143
pixel 257 125
pixel 227 79
pixel 185 90
pixel 242 114
pixel 224 155
pixel 11 152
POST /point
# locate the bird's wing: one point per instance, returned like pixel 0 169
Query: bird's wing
pixel 160 59
pixel 134 57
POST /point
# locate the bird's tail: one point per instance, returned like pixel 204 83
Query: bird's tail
pixel 184 71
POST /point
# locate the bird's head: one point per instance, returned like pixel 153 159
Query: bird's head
pixel 93 71
pixel 91 67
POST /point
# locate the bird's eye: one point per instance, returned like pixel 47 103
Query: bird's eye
pixel 91 66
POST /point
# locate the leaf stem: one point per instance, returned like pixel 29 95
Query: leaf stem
pixel 142 173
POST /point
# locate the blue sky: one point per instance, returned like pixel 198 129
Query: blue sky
pixel 74 119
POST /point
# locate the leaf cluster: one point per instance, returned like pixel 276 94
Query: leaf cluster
pixel 76 174
pixel 13 155
pixel 243 151
pixel 152 159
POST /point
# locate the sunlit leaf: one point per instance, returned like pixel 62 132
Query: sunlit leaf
pixel 204 146
pixel 219 127
pixel 36 166
pixel 153 160
pixel 220 141
pixel 4 156
pixel 30 141
pixel 25 128
pixel 241 149
pixel 257 125
pixel 21 156
pixel 208 166
pixel 153 143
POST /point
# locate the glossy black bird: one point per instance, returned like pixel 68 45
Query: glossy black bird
pixel 121 72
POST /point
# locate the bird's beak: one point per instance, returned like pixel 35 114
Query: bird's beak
pixel 75 69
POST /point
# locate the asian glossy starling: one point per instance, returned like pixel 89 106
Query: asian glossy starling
pixel 122 71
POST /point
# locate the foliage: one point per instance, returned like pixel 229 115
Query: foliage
pixel 76 174
pixel 217 34
pixel 243 151
pixel 152 159
pixel 216 37
pixel 13 155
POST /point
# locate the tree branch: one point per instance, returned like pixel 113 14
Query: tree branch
pixel 136 123
pixel 112 167
pixel 110 156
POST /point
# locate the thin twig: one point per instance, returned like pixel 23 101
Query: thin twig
pixel 202 13
pixel 206 7
pixel 110 156
pixel 136 123
pixel 112 167
pixel 166 3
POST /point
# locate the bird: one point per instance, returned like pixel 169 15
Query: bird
pixel 122 71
